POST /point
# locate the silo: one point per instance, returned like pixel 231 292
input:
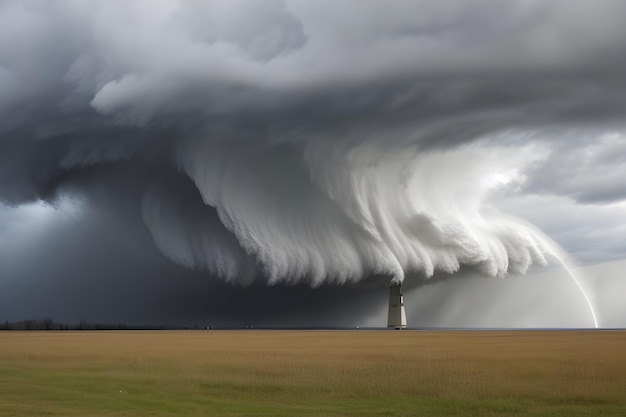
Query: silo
pixel 397 316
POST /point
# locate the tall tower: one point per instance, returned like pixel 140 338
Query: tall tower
pixel 397 315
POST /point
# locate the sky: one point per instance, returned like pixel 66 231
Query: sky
pixel 280 163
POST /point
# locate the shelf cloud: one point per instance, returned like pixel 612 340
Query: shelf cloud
pixel 284 142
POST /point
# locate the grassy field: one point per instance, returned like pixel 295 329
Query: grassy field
pixel 312 373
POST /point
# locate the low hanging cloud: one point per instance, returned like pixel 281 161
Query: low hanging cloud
pixel 293 142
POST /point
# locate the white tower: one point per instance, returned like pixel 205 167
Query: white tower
pixel 397 316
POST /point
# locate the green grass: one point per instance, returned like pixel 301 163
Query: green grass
pixel 289 373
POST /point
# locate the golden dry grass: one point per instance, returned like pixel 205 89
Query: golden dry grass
pixel 321 373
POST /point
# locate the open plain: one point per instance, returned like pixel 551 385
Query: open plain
pixel 313 373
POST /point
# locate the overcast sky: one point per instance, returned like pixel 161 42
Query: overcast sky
pixel 282 161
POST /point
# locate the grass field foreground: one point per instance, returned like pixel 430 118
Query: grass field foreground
pixel 313 373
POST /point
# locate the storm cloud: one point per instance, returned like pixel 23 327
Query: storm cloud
pixel 285 142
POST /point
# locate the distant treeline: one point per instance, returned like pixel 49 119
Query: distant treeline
pixel 49 324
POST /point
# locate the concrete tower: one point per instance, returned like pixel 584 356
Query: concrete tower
pixel 397 316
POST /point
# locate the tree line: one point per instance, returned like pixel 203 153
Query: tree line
pixel 49 324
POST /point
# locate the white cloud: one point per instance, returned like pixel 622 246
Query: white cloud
pixel 590 233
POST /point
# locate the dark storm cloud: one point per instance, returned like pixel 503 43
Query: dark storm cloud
pixel 450 72
pixel 95 267
pixel 310 142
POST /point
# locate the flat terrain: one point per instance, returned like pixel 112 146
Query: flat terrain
pixel 313 373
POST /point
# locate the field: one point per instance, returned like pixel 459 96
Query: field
pixel 313 373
